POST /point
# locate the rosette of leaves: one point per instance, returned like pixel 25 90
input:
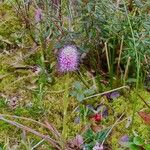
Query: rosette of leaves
pixel 91 138
pixel 79 92
pixel 135 143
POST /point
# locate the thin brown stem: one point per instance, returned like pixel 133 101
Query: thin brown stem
pixel 112 128
pixel 119 59
pixel 107 57
pixel 127 69
pixel 143 100
pixel 46 137
pixel 46 125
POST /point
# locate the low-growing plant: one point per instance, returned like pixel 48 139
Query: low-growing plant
pixel 134 143
pixel 80 92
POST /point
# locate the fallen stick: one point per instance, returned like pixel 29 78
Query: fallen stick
pixel 45 137
pixel 100 94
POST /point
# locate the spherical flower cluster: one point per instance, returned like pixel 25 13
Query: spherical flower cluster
pixel 68 58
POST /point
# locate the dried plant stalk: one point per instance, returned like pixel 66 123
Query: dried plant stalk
pixel 25 128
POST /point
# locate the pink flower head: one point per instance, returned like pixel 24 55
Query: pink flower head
pixel 68 58
pixel 38 15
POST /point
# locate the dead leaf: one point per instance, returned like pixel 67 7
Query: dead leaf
pixel 145 117
pixel 96 128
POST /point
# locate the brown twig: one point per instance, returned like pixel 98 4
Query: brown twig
pixel 46 137
pixel 112 128
pixel 23 118
pixel 107 56
pixel 101 94
pixel 143 100
pixel 46 125
pixel 32 50
pixel 52 129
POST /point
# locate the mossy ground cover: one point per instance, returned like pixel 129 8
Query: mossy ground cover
pixel 37 102
pixel 31 102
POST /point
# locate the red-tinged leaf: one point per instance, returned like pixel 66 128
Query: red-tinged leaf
pixel 96 117
pixel 145 117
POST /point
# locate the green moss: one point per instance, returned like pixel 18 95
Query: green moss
pixel 125 106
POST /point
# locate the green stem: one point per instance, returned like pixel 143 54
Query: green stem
pixel 134 47
pixel 65 107
pixel 137 63
pixel 82 79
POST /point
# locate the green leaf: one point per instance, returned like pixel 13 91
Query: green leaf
pixel 89 136
pixel 147 147
pixel 100 136
pixel 138 141
pixel 80 97
pixel 89 92
pixel 138 3
pixel 73 93
pixel 134 147
pixel 89 146
pixel 1 146
pixel 77 85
